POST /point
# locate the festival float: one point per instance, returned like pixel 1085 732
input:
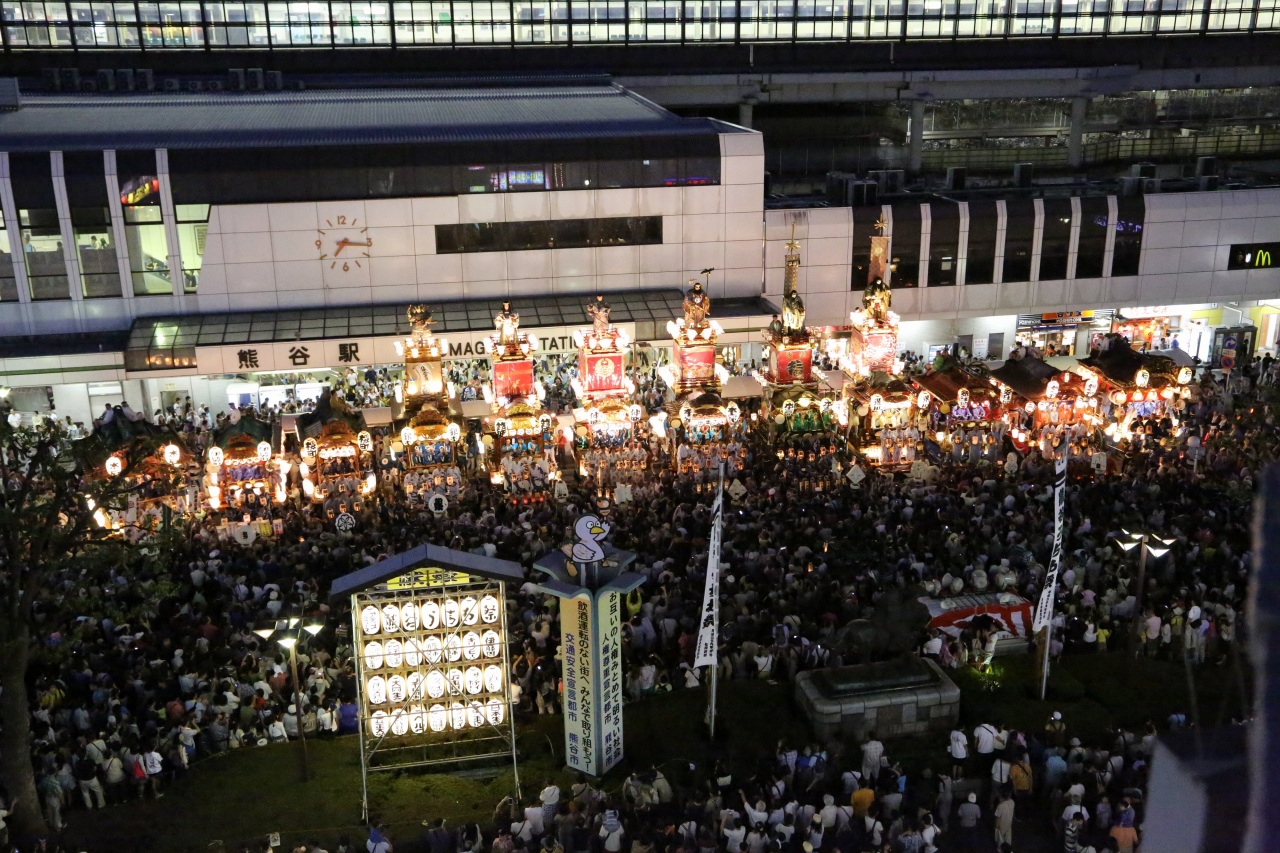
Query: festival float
pixel 1058 403
pixel 608 421
pixel 153 484
pixel 963 409
pixel 242 476
pixel 431 434
pixel 878 401
pixel 1138 385
pixel 797 398
pixel 519 430
pixel 699 422
pixel 336 469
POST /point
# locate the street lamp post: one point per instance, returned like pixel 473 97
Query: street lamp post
pixel 286 635
pixel 1142 540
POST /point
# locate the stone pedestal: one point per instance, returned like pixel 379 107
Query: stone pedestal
pixel 926 701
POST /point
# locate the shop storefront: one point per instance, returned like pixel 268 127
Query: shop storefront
pixel 1062 333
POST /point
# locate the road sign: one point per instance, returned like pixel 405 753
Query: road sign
pixel 1228 362
pixel 1229 342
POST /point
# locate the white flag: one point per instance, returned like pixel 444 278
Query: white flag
pixel 1044 608
pixel 709 628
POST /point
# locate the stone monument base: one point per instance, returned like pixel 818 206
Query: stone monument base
pixel 894 698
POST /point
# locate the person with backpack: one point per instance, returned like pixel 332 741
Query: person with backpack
pixel 86 772
pixel 1021 780
pixel 872 829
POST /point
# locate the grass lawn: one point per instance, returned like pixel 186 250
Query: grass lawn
pixel 250 793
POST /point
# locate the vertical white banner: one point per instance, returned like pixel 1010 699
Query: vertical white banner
pixel 709 629
pixel 576 642
pixel 609 624
pixel 1044 608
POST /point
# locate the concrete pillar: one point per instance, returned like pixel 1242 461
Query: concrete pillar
pixel 915 155
pixel 745 111
pixel 1075 135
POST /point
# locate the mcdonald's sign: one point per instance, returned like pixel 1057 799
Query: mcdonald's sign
pixel 1254 256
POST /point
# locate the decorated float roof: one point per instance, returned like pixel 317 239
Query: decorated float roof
pixel 945 384
pixel 1120 364
pixel 1029 377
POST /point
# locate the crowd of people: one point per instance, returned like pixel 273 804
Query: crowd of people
pixel 156 665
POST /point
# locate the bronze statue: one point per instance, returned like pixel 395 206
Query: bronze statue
pixel 420 316
pixel 876 301
pixel 507 322
pixel 599 312
pixel 793 315
pixel 697 306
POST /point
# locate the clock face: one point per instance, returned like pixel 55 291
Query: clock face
pixel 343 244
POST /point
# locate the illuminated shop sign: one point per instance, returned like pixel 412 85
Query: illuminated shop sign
pixel 1253 256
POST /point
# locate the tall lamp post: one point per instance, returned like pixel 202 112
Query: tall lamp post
pixel 286 634
pixel 1142 540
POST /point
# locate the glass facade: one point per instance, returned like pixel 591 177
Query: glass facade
pixel 944 243
pixel 256 175
pixel 1055 239
pixel 1131 216
pixel 980 260
pixel 193 228
pixel 232 25
pixel 148 251
pixel 904 245
pixel 548 234
pixel 1092 250
pixel 95 247
pixel 1019 236
pixel 8 280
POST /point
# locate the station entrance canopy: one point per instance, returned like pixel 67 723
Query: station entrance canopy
pixel 340 337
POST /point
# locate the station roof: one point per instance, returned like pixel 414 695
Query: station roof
pixel 202 330
pixel 458 114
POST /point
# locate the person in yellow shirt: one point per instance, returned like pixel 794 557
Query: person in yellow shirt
pixel 862 799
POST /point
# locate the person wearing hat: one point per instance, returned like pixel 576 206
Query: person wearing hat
pixel 1124 834
pixel 1055 730
pixel 378 841
pixel 967 817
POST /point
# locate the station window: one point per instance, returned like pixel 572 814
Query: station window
pixel 148 250
pixel 1055 240
pixel 944 243
pixel 96 249
pixel 980 256
pixel 1092 248
pixel 8 278
pixel 1020 227
pixel 43 253
pixel 904 261
pixel 193 229
pixel 548 234
pixel 1131 214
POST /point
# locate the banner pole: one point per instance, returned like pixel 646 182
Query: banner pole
pixel 712 603
pixel 1044 607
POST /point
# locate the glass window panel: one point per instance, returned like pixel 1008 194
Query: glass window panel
pixel 1130 219
pixel 904 246
pixel 43 254
pixel 95 247
pixel 980 253
pixel 1055 239
pixel 944 243
pixel 8 278
pixel 1019 233
pixel 1092 245
pixel 193 228
pixel 148 250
